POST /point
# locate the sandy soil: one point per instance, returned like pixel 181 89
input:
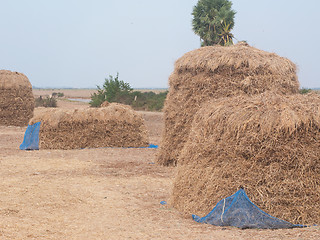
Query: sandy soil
pixel 108 193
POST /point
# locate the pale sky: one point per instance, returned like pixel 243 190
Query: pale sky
pixel 79 43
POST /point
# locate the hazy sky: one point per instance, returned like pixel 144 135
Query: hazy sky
pixel 78 43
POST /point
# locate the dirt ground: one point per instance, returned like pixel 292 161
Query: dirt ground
pixel 108 193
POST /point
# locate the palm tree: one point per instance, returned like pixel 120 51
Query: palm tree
pixel 212 21
pixel 226 37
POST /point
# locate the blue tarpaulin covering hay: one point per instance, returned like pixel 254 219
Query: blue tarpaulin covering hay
pixel 31 137
pixel 238 211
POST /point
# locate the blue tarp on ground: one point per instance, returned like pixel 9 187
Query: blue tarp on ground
pixel 238 211
pixel 152 146
pixel 31 137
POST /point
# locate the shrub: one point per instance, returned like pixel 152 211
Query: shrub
pixel 115 90
pixel 45 102
pixel 305 90
pixel 149 101
pixel 57 94
pixel 97 98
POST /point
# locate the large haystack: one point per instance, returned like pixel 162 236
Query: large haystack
pixel 16 99
pixel 113 126
pixel 269 144
pixel 215 72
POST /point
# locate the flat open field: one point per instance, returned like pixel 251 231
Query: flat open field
pixel 107 193
pixel 69 93
pixel 80 93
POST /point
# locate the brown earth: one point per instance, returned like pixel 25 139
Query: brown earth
pixel 107 193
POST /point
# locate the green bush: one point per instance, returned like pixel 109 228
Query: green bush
pixel 149 101
pixel 305 90
pixel 115 90
pixel 57 94
pixel 45 102
pixel 97 98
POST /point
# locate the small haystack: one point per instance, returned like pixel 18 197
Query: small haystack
pixel 113 126
pixel 215 72
pixel 16 99
pixel 269 144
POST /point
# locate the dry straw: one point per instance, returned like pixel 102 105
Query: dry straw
pixel 16 99
pixel 269 144
pixel 113 126
pixel 105 104
pixel 215 72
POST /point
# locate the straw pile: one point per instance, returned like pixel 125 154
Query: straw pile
pixel 105 104
pixel 16 99
pixel 269 144
pixel 113 126
pixel 215 72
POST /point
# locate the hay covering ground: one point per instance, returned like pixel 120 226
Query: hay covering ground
pixel 16 99
pixel 269 144
pixel 215 72
pixel 113 126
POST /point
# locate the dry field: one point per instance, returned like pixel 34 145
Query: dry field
pixel 69 93
pixel 80 93
pixel 108 193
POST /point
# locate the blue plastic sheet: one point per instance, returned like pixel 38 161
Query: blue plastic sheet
pixel 31 137
pixel 238 211
pixel 152 146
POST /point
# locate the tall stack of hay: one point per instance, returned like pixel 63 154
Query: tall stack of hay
pixel 215 72
pixel 269 144
pixel 16 99
pixel 113 126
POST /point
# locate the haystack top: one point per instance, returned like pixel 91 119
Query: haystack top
pixel 237 57
pixel 10 79
pixel 52 117
pixel 266 113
